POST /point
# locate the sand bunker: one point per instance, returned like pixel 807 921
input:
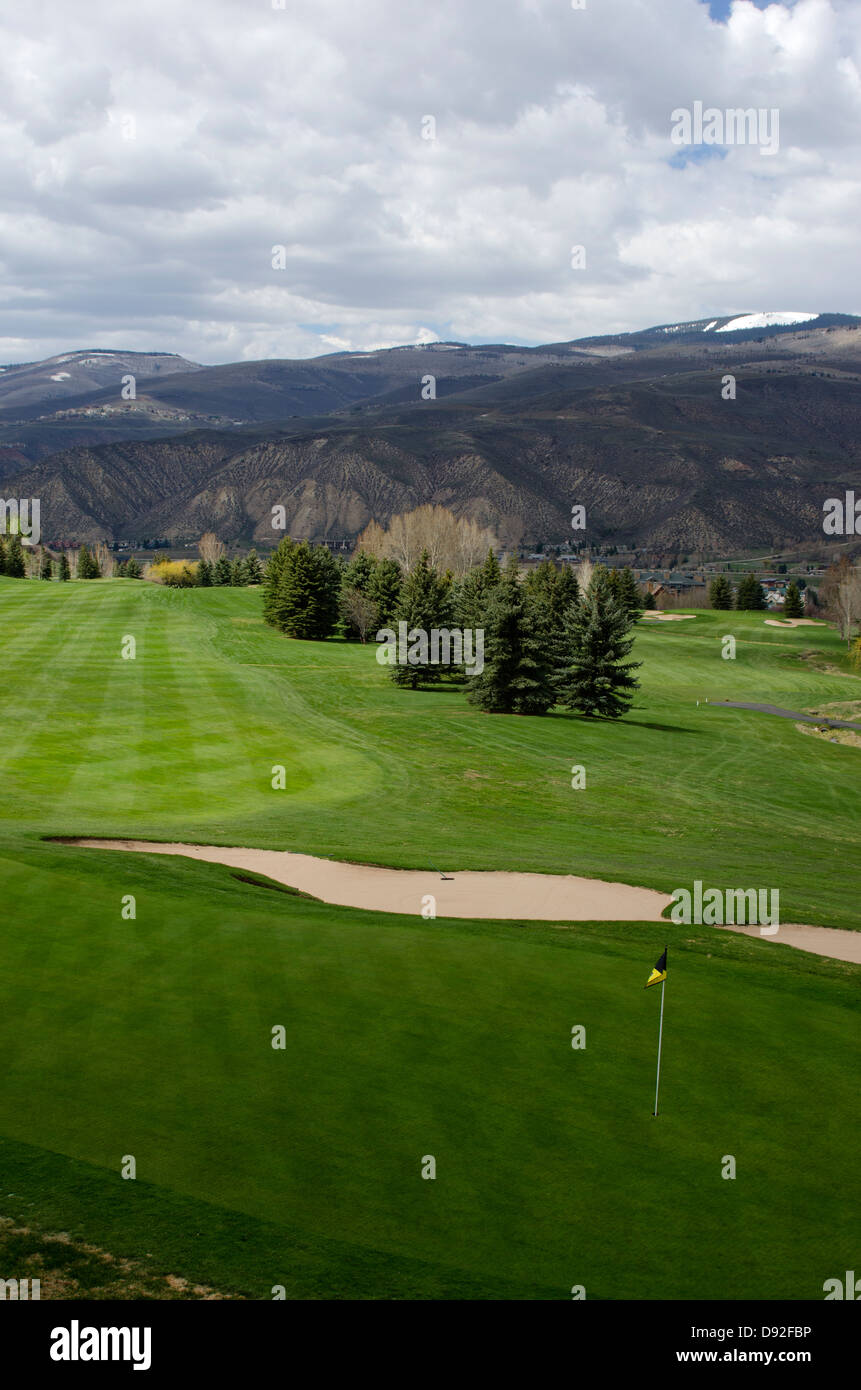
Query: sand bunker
pixel 821 941
pixel 794 622
pixel 537 897
pixel 503 896
pixel 669 617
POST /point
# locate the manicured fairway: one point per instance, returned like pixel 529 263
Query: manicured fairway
pixel 407 1037
pixel 181 742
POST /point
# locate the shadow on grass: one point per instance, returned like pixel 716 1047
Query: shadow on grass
pixel 598 720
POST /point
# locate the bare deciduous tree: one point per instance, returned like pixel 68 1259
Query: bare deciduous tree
pixel 359 610
pixel 585 570
pixel 104 559
pixel 210 548
pixel 847 603
pixel 452 543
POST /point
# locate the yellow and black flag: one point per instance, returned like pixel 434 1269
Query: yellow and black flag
pixel 659 973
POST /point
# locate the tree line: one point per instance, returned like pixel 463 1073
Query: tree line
pixel 750 596
pixel 550 639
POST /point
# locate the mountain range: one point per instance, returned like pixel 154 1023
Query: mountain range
pixel 640 428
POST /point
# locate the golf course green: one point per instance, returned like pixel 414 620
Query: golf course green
pixel 150 1036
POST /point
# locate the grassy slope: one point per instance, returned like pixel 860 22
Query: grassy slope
pixel 181 742
pixel 405 1037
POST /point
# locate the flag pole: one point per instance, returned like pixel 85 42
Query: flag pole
pixel 660 1039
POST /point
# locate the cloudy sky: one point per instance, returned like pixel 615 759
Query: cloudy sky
pixel 152 155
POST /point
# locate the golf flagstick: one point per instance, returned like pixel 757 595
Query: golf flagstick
pixel 660 1039
pixel 659 976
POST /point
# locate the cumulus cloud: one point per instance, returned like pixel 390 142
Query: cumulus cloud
pixel 152 156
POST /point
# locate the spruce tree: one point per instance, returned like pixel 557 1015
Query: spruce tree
pixel 292 599
pixel 359 572
pixel 557 586
pixel 223 572
pixel 793 606
pixel 359 611
pixel 601 581
pixel 327 573
pixel 566 592
pixel 2 555
pixel 87 565
pixel 133 569
pixel 16 565
pixel 471 595
pixel 720 593
pixel 614 582
pixel 650 603
pixel 278 561
pixel 64 568
pixel 253 568
pixel 237 574
pixel 750 594
pixel 597 679
pixel 46 568
pixel 629 593
pixel 424 605
pixel 305 602
pixel 204 574
pixel 384 588
pixel 518 675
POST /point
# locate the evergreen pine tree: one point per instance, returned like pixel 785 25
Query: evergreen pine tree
pixel 223 572
pixel 328 574
pixel 359 612
pixel 237 574
pixel 614 582
pixel 46 568
pixel 566 592
pixel 253 568
pixel 424 605
pixel 2 555
pixel 793 606
pixel 650 603
pixel 360 571
pixel 384 588
pixel 750 594
pixel 292 600
pixel 629 594
pixel 277 563
pixel 16 565
pixel 64 567
pixel 305 603
pixel 541 580
pixel 204 574
pixel 133 569
pixel 87 565
pixel 720 592
pixel 601 582
pixel 598 679
pixel 470 596
pixel 518 666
